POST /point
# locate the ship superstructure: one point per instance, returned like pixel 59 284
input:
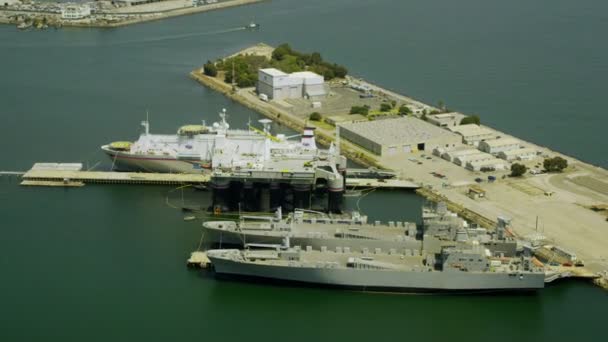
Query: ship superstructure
pixel 250 169
pixel 202 148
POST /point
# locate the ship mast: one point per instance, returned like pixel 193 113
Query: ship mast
pixel 146 123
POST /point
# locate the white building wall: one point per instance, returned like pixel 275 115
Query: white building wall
pixel 497 164
pixel 463 160
pixel 498 145
pixel 74 11
pixel 279 85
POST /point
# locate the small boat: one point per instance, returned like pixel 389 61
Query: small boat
pixel 190 218
pixel 252 26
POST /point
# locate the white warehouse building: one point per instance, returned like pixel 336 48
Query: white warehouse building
pixel 278 85
pixel 398 137
pixel 453 154
pixel 499 145
pixel 493 164
pixel 75 11
pixel 527 153
pixel 469 158
pixel 473 134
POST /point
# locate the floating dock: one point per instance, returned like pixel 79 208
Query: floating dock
pixel 198 259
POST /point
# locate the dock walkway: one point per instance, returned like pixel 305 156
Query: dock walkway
pixel 358 183
pixel 100 177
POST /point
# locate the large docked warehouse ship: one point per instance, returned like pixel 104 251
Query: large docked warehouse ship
pixel 201 148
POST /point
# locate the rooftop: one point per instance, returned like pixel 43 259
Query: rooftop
pixel 273 72
pixel 502 142
pixel 305 74
pixel 397 131
pixel 520 151
pixel 487 162
pixel 470 130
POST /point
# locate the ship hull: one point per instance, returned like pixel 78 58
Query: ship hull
pixel 381 280
pixel 125 161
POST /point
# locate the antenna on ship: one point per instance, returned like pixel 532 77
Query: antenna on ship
pixel 146 123
pixel 337 141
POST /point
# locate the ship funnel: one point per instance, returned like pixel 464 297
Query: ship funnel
pixel 501 226
pixel 266 124
pixel 308 138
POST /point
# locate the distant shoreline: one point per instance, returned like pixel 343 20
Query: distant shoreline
pixel 147 16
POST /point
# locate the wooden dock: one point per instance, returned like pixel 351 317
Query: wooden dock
pixel 39 177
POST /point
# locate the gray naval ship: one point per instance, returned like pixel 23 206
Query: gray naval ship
pixel 453 270
pixel 317 230
pixel 446 255
pixel 440 229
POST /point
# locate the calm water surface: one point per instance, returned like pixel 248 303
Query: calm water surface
pixel 106 263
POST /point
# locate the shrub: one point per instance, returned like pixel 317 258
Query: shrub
pixel 210 69
pixel 517 170
pixel 472 119
pixel 556 164
pixel 315 116
pixel 363 110
pixel 385 107
pixel 405 110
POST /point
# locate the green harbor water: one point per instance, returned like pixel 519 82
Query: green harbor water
pixel 107 263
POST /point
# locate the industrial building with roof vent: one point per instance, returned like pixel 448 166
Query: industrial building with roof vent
pixel 400 136
pixel 473 134
pixel 499 145
pixel 445 119
pixel 278 85
pixel 526 153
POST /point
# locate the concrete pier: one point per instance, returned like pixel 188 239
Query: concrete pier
pixel 100 177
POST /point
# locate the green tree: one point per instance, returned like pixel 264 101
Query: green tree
pixel 441 105
pixel 340 71
pixel 315 116
pixel 405 110
pixel 517 170
pixel 556 164
pixel 281 51
pixel 471 119
pixel 315 58
pixel 210 69
pixel 385 107
pixel 363 110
